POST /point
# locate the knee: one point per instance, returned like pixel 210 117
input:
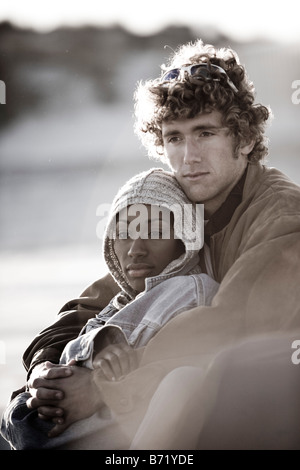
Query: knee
pixel 183 379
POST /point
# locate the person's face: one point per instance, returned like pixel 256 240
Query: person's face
pixel 145 243
pixel 200 151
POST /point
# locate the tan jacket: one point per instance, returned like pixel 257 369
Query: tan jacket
pixel 256 257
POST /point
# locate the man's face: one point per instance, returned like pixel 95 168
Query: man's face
pixel 200 152
pixel 145 243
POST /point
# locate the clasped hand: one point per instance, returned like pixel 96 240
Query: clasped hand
pixel 59 392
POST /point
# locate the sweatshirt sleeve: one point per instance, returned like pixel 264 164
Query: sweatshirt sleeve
pixel 49 344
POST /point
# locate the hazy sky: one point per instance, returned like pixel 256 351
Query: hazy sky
pixel 239 19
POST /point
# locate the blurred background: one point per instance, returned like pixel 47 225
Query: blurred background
pixel 67 141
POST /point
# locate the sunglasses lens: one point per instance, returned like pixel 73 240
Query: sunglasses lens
pixel 201 71
pixel 171 75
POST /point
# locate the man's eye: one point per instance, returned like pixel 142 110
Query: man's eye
pixel 122 235
pixel 155 234
pixel 174 139
pixel 206 134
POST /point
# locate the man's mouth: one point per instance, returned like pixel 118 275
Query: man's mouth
pixel 195 176
pixel 138 270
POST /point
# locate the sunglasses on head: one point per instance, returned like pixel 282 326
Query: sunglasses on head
pixel 201 71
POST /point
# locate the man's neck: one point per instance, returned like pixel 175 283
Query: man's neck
pixel 222 216
pixel 211 208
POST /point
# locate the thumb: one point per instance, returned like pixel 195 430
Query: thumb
pixel 57 430
pixel 71 362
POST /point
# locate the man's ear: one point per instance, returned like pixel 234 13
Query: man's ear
pixel 246 147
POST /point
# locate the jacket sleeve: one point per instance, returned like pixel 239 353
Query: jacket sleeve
pixel 49 344
pixel 84 348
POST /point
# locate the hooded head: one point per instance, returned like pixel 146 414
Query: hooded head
pixel 160 190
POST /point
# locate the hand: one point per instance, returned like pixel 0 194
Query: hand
pixel 46 391
pixel 116 361
pixel 82 398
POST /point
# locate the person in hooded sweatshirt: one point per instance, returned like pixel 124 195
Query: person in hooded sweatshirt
pixel 151 245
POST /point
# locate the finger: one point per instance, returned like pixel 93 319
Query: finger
pixel 133 360
pixel 47 394
pixel 35 383
pixel 57 429
pixel 55 420
pixel 49 365
pixel 114 359
pixel 46 412
pixel 71 362
pixel 40 382
pixel 106 370
pixel 57 372
pixel 99 377
pixel 127 358
pixel 59 420
pixel 123 355
pixel 48 369
pixel 34 402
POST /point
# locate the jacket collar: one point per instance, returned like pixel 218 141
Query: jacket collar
pixel 223 215
pixel 185 267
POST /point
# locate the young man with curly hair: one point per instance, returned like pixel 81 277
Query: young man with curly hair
pixel 200 117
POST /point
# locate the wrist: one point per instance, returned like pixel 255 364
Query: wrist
pixel 96 379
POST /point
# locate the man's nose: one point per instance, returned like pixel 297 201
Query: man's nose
pixel 192 152
pixel 137 247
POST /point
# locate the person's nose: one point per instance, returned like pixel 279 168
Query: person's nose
pixel 192 152
pixel 137 248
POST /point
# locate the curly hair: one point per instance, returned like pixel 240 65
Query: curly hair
pixel 156 102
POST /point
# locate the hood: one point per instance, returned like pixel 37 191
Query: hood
pixel 157 187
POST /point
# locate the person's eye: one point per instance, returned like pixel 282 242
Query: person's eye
pixel 122 235
pixel 206 134
pixel 174 139
pixel 155 234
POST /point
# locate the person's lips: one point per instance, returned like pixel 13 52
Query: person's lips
pixel 138 270
pixel 195 176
